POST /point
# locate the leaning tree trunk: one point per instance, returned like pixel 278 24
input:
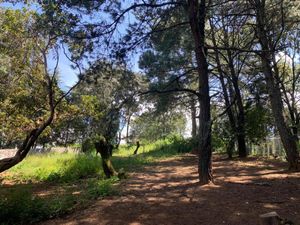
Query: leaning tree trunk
pixel 272 79
pixel 137 147
pixel 27 144
pixel 105 149
pixel 197 14
pixel 288 140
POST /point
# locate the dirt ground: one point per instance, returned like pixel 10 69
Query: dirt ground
pixel 168 193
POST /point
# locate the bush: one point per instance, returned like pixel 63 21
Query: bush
pixel 22 206
pixel 98 188
pixel 88 146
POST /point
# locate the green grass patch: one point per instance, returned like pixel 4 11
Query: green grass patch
pixel 150 153
pixel 21 205
pixel 56 167
pixel 73 180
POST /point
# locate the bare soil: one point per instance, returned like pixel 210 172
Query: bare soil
pixel 168 193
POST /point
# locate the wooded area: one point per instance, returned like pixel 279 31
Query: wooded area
pixel 215 80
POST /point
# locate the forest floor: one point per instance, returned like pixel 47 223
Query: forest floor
pixel 168 193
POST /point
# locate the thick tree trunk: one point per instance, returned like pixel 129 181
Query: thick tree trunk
pixel 197 14
pixel 288 140
pixel 104 148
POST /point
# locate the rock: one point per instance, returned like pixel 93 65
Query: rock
pixel 271 218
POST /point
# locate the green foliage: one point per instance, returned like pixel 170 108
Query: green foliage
pixel 258 120
pixel 22 93
pixel 102 188
pixel 22 206
pixel 19 205
pixel 55 167
pixel 23 80
pixel 69 167
pixel 103 96
pixel 88 146
pixel 221 134
pixel 173 145
pixel 151 126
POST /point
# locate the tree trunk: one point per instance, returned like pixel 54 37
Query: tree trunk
pixel 137 147
pixel 240 128
pixel 229 148
pixel 287 138
pixel 104 148
pixel 197 14
pixel 228 104
pixel 194 119
pixel 267 54
pixel 127 128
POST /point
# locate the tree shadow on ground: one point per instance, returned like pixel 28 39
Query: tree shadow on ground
pixel 168 193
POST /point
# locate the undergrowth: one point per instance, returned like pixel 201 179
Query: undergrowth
pixel 21 205
pixel 80 176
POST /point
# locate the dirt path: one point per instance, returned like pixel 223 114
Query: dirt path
pixel 168 193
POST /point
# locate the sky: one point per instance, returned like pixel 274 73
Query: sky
pixel 67 75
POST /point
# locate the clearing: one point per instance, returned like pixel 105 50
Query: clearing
pixel 168 193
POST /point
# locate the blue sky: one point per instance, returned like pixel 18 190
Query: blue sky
pixel 67 75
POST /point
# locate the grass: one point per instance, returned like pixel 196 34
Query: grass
pixel 56 167
pixel 69 180
pixel 21 204
pixel 149 153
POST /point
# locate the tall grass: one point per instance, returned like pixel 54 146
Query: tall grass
pixel 69 167
pixel 56 167
pixel 21 206
pixel 149 153
pixel 82 172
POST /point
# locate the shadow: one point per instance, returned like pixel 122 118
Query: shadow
pixel 169 193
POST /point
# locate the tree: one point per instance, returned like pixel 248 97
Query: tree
pixel 92 34
pixel 154 125
pixel 106 91
pixel 29 69
pixel 229 64
pixel 269 32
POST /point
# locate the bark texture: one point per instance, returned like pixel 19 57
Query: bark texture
pixel 105 150
pixel 197 14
